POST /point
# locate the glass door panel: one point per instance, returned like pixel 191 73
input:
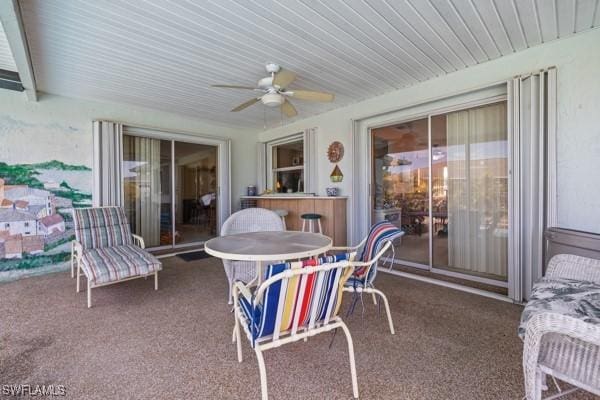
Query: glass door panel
pixel 147 188
pixel 470 191
pixel 195 192
pixel 401 185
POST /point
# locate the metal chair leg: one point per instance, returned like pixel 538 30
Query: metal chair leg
pixel 89 294
pixel 263 373
pixel 237 335
pixel 352 362
pixel 387 308
pixel 72 261
pixel 78 276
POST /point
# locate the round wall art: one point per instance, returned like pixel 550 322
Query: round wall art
pixel 335 152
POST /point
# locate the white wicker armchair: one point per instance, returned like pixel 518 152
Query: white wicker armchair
pixel 247 220
pixel 562 345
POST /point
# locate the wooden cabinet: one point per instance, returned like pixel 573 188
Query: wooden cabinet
pixel 331 209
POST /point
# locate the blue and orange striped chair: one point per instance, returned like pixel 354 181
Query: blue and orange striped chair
pixel 296 300
pixel 374 246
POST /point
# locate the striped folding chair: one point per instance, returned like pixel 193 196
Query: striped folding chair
pixel 296 300
pixel 374 246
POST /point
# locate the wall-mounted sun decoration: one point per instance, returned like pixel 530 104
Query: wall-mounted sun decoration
pixel 335 152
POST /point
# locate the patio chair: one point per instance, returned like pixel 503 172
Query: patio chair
pixel 107 251
pixel 244 221
pixel 293 303
pixel 560 327
pixel 374 246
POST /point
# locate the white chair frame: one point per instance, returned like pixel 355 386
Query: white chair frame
pixel 281 338
pixel 370 288
pixel 77 253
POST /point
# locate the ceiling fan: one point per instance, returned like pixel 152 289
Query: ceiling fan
pixel 275 92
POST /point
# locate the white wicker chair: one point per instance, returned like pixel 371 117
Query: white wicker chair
pixel 247 220
pixel 559 345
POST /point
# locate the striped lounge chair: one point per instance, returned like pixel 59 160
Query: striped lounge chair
pixel 296 300
pixel 374 246
pixel 106 250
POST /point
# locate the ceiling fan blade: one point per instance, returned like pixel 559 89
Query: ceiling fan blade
pixel 233 87
pixel 311 95
pixel 245 105
pixel 284 77
pixel 288 109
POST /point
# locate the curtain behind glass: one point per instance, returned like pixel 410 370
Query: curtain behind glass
pixel 143 197
pixel 478 190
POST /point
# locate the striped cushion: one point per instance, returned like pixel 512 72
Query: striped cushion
pixel 294 299
pixel 109 264
pixel 379 234
pixel 101 227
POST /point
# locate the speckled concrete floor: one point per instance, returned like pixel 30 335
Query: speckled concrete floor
pixel 176 343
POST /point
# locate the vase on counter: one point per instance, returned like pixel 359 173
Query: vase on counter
pixel 332 191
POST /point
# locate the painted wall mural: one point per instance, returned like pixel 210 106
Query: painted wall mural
pixel 38 191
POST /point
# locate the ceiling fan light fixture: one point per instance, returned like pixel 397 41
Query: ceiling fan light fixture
pixel 272 99
pixel 275 92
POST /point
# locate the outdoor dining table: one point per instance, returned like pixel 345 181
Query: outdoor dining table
pixel 273 246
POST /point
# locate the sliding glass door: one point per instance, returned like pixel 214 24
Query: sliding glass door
pixel 401 183
pixel 472 184
pixel 443 179
pixel 170 190
pixel 147 188
pixel 195 192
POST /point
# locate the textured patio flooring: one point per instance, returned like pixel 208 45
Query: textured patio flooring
pixel 176 343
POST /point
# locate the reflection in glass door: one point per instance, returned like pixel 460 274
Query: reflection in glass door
pixel 457 223
pixel 401 181
pixel 170 190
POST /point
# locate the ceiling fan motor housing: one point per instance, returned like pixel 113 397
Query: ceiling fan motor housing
pixel 272 99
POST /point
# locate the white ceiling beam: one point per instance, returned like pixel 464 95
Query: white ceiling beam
pixel 10 15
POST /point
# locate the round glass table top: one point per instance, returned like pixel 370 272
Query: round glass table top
pixel 268 246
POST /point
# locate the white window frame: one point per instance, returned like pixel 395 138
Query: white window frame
pixel 270 171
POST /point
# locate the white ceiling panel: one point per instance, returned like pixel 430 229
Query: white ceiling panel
pixel 7 62
pixel 165 54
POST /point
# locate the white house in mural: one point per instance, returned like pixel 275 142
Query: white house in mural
pixel 27 217
pixel 18 222
pixel 51 224
pixel 38 201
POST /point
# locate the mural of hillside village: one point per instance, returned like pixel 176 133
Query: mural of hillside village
pixel 36 202
pixel 37 199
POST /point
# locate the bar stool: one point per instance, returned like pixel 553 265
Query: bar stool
pixel 282 214
pixel 311 218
